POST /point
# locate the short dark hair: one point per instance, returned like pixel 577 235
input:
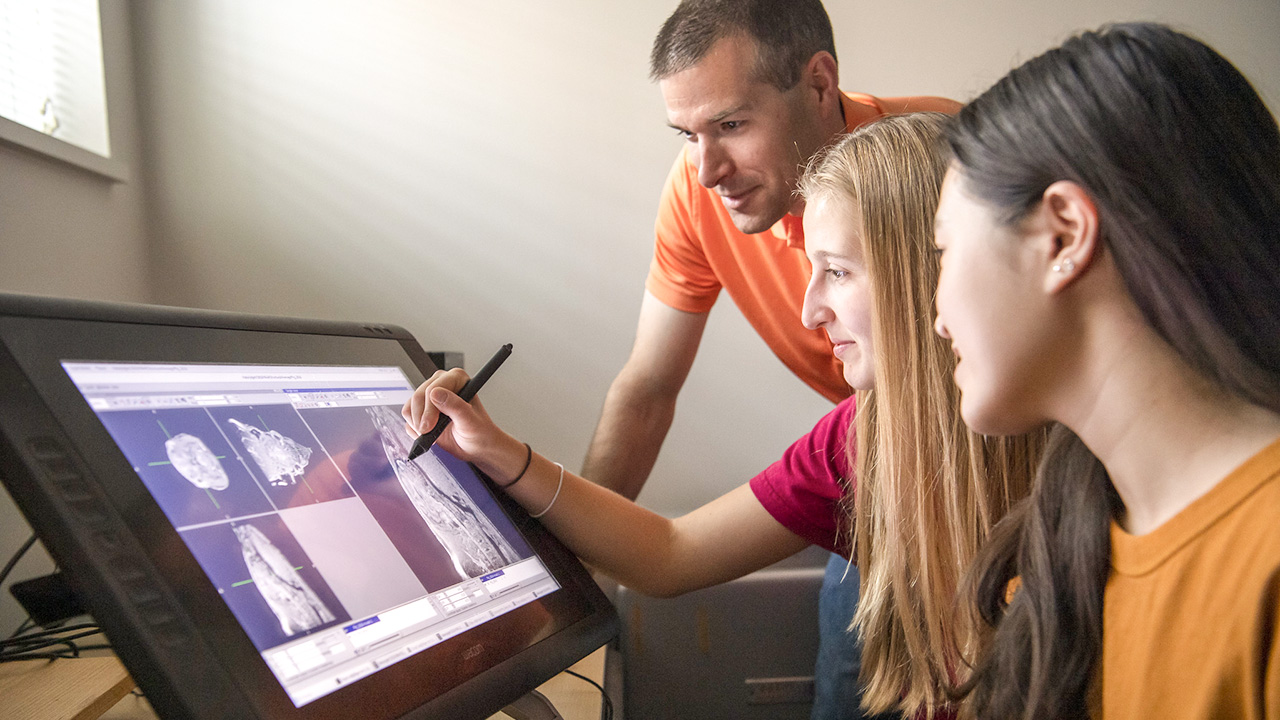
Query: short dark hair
pixel 787 33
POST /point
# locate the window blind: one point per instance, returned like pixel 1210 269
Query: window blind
pixel 51 72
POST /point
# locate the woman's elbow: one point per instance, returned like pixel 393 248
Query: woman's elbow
pixel 657 580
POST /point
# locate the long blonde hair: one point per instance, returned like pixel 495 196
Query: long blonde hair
pixel 927 491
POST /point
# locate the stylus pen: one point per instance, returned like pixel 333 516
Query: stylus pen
pixel 468 391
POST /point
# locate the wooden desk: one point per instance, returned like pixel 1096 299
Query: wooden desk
pixel 79 689
pixel 98 687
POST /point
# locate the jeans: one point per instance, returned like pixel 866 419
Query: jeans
pixel 836 692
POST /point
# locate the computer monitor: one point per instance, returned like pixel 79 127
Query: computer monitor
pixel 230 497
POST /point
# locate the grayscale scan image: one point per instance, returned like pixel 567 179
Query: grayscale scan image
pixel 281 459
pixel 472 541
pixel 292 600
pixel 196 462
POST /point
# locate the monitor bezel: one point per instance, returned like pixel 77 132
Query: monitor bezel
pixel 145 588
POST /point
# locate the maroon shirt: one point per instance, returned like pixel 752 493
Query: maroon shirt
pixel 802 491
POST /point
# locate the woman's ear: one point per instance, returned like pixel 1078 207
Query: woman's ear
pixel 1071 219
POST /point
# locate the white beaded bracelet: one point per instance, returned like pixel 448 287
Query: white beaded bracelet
pixel 559 485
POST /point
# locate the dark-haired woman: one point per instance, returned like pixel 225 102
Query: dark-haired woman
pixel 1110 230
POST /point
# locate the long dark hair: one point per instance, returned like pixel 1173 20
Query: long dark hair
pixel 1182 161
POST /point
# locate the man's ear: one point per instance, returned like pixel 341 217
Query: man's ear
pixel 822 75
pixel 1070 219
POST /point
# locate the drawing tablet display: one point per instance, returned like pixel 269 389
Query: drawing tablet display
pixel 231 498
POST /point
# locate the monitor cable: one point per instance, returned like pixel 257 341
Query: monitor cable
pixel 50 644
pixel 8 567
pixel 30 643
pixel 606 709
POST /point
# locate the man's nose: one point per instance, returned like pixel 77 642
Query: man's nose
pixel 713 163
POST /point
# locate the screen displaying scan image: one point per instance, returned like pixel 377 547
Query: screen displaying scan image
pixel 291 488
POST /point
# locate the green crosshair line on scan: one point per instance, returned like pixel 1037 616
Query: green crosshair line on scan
pixel 250 580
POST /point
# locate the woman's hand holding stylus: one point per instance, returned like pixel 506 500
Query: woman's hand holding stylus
pixel 472 434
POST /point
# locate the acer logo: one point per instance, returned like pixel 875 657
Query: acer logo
pixel 472 651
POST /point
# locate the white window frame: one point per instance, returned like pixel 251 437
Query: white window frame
pixel 91 76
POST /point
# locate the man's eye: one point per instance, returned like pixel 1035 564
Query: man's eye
pixel 686 135
pixel 730 125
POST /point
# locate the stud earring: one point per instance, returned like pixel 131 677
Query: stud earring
pixel 1066 266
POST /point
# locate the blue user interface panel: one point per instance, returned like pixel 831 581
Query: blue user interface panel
pixel 290 486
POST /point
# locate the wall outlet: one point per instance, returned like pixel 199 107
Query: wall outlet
pixel 779 691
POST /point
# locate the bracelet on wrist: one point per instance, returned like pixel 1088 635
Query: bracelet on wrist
pixel 559 485
pixel 528 458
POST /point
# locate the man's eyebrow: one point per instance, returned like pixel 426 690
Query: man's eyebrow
pixel 718 117
pixel 726 113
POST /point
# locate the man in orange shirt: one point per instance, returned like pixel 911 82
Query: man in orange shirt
pixel 752 85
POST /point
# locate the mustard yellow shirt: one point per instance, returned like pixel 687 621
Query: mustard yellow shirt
pixel 1191 621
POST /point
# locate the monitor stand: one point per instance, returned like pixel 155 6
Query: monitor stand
pixel 533 706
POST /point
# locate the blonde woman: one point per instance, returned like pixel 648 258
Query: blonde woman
pixel 927 490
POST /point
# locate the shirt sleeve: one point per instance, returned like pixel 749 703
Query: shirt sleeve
pixel 680 275
pixel 922 103
pixel 803 490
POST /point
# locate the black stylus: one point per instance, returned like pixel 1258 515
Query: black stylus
pixel 468 391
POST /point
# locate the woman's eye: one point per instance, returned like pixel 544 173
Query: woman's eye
pixel 837 273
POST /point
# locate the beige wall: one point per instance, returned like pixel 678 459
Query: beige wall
pixel 68 232
pixel 960 48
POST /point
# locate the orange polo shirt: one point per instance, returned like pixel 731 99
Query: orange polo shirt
pixel 699 251
pixel 1191 619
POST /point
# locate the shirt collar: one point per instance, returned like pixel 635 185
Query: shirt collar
pixel 791 229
